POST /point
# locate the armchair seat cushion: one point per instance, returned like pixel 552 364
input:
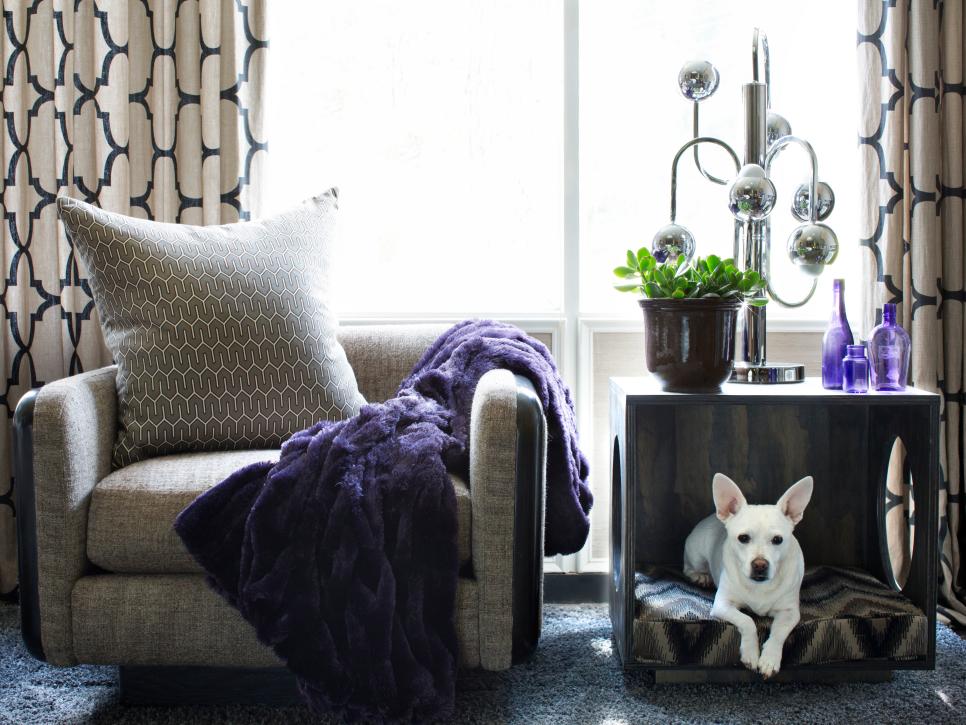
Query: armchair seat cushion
pixel 133 510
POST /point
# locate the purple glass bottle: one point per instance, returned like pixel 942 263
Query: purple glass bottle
pixel 855 370
pixel 838 335
pixel 889 349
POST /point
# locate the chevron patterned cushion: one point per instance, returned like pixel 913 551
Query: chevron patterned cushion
pixel 222 335
pixel 847 615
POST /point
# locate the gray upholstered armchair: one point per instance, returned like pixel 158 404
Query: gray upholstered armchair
pixel 105 579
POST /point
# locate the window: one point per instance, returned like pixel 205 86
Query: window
pixel 497 158
pixel 440 124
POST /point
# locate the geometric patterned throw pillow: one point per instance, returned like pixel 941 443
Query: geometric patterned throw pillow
pixel 222 335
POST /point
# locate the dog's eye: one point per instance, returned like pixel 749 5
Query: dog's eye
pixel 744 538
pixel 776 540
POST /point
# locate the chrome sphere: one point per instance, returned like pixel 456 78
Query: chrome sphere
pixel 752 198
pixel 812 246
pixel 670 241
pixel 751 170
pixel 826 201
pixel 775 127
pixel 698 79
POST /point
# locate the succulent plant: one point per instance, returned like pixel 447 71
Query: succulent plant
pixel 675 279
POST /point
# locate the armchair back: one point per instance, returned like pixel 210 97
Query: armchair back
pixel 382 355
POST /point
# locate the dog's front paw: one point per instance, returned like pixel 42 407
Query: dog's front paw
pixel 770 661
pixel 702 579
pixel 749 653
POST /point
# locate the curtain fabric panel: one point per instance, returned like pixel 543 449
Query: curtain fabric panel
pixel 910 57
pixel 151 108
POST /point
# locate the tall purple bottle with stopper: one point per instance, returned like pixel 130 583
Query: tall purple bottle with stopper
pixel 889 350
pixel 838 336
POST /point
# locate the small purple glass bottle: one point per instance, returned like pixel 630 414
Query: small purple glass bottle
pixel 838 335
pixel 855 370
pixel 889 349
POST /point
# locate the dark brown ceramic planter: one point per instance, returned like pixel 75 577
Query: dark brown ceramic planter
pixel 689 345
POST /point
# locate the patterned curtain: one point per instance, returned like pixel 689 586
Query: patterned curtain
pixel 910 55
pixel 146 107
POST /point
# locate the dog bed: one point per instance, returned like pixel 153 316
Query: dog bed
pixel 847 615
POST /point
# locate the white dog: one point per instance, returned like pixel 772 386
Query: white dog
pixel 750 554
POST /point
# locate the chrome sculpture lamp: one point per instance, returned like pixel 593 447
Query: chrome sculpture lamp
pixel 752 198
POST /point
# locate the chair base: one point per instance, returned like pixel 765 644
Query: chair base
pixel 273 686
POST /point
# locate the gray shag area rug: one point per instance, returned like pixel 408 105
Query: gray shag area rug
pixel 574 677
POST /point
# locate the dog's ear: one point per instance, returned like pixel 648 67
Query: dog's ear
pixel 795 499
pixel 728 498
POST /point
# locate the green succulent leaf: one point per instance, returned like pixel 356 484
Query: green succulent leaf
pixel 709 277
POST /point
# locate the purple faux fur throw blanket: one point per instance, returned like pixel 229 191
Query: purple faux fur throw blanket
pixel 343 555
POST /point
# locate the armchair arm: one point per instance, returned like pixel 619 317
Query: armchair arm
pixel 507 475
pixel 64 435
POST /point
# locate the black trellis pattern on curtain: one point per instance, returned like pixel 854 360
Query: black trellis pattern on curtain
pixel 910 59
pixel 151 108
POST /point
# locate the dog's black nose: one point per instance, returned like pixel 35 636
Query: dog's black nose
pixel 759 569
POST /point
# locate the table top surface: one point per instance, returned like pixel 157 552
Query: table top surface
pixel 647 388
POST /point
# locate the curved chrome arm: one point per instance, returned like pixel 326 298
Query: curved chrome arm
pixel 813 182
pixel 812 206
pixel 761 39
pixel 677 156
pixel 697 161
pixel 783 303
